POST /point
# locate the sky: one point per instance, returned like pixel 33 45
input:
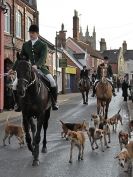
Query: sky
pixel 113 19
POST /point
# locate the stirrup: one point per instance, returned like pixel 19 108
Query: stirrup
pixel 114 94
pixel 17 108
pixel 93 95
pixel 55 107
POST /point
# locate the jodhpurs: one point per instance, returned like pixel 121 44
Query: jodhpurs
pixel 49 77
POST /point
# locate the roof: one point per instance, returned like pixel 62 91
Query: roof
pixel 31 3
pixel 50 45
pixel 128 55
pixel 112 55
pixel 88 48
pixel 79 65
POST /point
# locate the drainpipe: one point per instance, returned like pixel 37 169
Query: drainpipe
pixel 2 11
pixel 13 30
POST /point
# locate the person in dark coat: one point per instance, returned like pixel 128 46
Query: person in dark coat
pixel 84 73
pixel 125 87
pixel 118 84
pixel 109 75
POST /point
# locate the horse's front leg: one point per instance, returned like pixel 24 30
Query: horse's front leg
pixel 98 106
pixel 106 110
pixel 87 97
pixel 33 130
pixel 83 96
pixel 27 133
pixel 37 141
pixel 45 126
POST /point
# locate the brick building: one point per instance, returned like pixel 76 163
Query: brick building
pixel 20 15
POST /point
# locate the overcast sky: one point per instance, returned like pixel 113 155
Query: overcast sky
pixel 113 19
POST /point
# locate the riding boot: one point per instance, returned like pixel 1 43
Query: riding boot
pixel 54 98
pixel 113 90
pixel 94 91
pixel 17 106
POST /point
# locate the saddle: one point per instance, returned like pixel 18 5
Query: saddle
pixel 43 78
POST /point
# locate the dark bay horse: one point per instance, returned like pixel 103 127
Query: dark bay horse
pixel 35 103
pixel 103 93
pixel 84 88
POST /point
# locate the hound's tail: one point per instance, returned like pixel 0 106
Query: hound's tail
pixel 62 122
pixel 119 111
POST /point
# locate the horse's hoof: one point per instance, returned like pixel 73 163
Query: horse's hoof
pixel 70 161
pixel 108 146
pixel 96 147
pixel 84 102
pixel 44 150
pixel 35 163
pixel 109 142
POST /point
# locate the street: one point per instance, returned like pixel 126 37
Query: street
pixel 17 162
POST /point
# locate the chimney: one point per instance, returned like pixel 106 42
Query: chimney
pixel 124 46
pixel 61 37
pixel 103 45
pixel 76 25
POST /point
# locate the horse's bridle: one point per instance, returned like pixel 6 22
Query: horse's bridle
pixel 26 81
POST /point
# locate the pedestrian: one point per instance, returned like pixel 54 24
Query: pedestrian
pixel 125 87
pixel 118 84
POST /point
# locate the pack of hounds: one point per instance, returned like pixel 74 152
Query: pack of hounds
pixel 75 133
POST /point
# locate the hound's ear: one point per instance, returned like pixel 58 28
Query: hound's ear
pixel 116 157
pixel 18 56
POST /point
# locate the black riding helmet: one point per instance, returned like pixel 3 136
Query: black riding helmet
pixel 34 28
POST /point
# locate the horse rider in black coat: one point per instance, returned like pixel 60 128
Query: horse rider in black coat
pixel 84 74
pixel 109 76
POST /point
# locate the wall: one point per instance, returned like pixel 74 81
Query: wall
pixel 121 63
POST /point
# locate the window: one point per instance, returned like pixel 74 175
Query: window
pixel 28 24
pixel 7 19
pixel 18 24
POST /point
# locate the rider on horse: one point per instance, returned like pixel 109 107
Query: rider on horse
pixel 109 76
pixel 36 51
pixel 84 74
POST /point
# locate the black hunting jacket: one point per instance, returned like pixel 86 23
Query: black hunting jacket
pixel 84 73
pixel 109 72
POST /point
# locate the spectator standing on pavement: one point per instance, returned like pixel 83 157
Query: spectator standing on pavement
pixel 125 87
pixel 118 84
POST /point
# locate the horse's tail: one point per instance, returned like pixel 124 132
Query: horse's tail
pixel 119 111
pixel 62 122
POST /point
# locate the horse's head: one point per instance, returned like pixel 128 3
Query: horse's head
pixel 24 74
pixel 103 73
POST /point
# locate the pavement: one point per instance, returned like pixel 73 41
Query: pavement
pixel 16 162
